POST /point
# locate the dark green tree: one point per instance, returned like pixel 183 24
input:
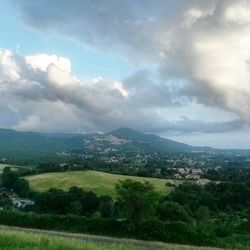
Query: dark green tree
pixel 137 200
pixel 9 178
pixel 172 211
pixel 106 207
pixel 21 187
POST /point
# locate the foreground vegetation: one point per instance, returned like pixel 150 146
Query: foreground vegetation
pixel 17 240
pixel 10 240
pixel 216 214
pixel 99 182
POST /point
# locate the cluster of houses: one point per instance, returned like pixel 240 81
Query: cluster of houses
pixel 195 174
pixel 15 199
pixel 188 173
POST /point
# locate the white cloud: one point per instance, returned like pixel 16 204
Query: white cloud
pixel 206 43
pixel 238 12
pixel 192 15
pixel 9 67
pixel 51 99
pixel 42 61
pixel 200 50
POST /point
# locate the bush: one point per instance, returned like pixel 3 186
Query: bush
pixel 223 231
pixel 70 223
pixel 172 211
pixel 151 229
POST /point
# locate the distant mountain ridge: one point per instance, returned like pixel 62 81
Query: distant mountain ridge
pixel 16 141
pixel 12 140
pixel 153 142
pixel 120 140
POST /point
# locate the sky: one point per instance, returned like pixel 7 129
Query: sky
pixel 179 69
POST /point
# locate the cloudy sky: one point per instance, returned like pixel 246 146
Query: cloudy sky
pixel 179 69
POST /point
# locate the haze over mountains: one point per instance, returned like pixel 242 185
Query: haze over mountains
pixel 122 139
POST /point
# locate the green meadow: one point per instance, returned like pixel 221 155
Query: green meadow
pixel 99 182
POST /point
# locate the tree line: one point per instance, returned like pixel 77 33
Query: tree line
pixel 190 214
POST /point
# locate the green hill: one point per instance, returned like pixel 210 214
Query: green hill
pixel 99 182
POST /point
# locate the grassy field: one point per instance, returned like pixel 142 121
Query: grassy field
pixel 13 240
pixel 99 182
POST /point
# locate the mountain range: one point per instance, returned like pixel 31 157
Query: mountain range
pixel 123 140
pixel 11 140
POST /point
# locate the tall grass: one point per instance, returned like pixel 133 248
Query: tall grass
pixel 10 240
pixel 15 240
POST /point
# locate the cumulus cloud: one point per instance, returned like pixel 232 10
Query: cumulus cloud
pixel 205 43
pixel 42 61
pixel 39 92
pixel 43 93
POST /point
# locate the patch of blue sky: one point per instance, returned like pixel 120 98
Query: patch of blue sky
pixel 86 63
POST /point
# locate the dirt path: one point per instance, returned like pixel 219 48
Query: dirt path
pixel 106 240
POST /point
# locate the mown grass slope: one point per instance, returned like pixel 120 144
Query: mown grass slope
pixel 99 182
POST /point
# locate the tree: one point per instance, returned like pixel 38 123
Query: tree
pixel 137 200
pixel 75 207
pixel 172 211
pixel 106 207
pixel 88 199
pixel 5 202
pixel 21 187
pixel 9 178
pixel 203 215
pixel 52 201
